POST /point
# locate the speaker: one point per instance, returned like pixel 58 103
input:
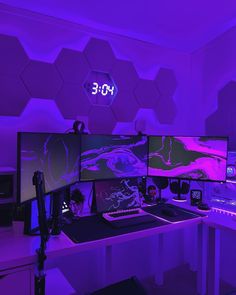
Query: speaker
pixel 7 183
pixel 179 188
pixel 161 182
pixel 142 186
pixel 6 214
pixel 57 200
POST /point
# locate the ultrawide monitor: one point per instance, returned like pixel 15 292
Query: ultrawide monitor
pixel 112 156
pixel 56 155
pixel 197 158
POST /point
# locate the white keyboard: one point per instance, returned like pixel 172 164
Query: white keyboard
pixel 124 214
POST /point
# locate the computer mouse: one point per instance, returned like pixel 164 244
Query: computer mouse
pixel 169 212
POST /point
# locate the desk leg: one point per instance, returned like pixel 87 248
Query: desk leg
pixel 202 258
pixel 108 264
pixel 191 247
pixel 214 261
pixel 159 274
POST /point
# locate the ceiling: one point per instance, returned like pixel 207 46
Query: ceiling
pixel 181 24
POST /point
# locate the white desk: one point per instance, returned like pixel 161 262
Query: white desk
pixel 17 251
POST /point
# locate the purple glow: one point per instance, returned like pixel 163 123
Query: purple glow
pixel 188 157
pixel 105 156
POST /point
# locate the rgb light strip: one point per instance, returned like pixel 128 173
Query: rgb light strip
pixel 222 211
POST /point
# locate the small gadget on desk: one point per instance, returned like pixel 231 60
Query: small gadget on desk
pixel 195 197
pixel 118 202
pixel 203 207
pixel 180 188
pixel 151 196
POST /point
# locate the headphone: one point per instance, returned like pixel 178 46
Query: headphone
pixel 179 187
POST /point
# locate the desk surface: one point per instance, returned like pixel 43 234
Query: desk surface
pixel 214 219
pixel 17 249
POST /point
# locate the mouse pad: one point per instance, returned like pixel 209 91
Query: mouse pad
pixel 178 214
pixel 90 228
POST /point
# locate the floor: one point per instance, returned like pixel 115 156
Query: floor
pixel 181 281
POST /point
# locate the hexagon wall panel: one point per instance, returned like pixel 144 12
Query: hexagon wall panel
pixel 125 106
pixel 146 93
pixel 72 101
pixel 124 75
pixel 72 66
pixel 13 58
pixel 166 110
pixel 99 55
pixel 222 121
pixel 14 96
pixel 41 79
pixel 226 95
pixel 101 120
pixel 166 81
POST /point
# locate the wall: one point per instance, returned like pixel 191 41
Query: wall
pixel 215 71
pixel 44 63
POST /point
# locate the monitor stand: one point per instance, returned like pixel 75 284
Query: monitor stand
pixel 178 197
pixel 57 200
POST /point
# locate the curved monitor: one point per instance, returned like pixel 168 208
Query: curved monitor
pixel 55 154
pixel 196 158
pixel 112 156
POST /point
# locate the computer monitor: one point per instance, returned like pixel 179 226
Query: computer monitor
pixel 112 156
pixel 197 158
pixel 56 155
pixel 116 194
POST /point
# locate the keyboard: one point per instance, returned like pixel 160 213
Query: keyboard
pixel 124 214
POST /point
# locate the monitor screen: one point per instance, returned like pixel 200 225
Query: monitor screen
pixel 116 194
pixel 112 156
pixel 199 158
pixel 56 155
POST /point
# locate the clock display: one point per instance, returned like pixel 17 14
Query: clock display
pixel 100 88
pixel 104 89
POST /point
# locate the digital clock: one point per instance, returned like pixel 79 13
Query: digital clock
pixel 100 88
pixel 104 89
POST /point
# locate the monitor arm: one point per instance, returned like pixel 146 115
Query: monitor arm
pixel 38 182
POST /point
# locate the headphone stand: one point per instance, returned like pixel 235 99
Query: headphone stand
pixel 179 198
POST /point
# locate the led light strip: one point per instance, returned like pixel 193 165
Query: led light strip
pixel 223 211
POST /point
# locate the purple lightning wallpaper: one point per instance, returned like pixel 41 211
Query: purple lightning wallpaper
pixel 112 156
pixel 116 194
pixel 201 158
pixel 56 155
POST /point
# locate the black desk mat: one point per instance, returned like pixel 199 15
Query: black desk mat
pixel 182 214
pixel 92 228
